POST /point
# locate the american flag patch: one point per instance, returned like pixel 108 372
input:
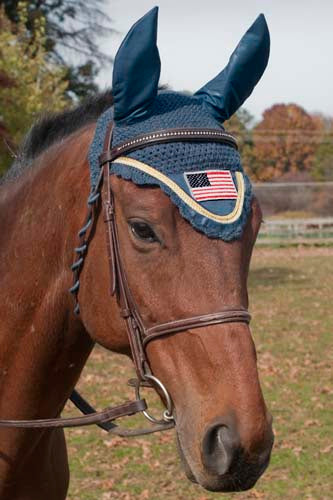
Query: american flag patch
pixel 211 185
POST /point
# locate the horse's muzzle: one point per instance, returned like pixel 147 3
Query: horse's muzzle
pixel 229 467
pixel 226 466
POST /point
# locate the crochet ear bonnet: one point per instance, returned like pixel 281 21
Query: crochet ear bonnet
pixel 204 179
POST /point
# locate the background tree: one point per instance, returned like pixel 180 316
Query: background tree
pixel 72 31
pixel 322 169
pixel 29 81
pixel 285 142
pixel 5 139
pixel 240 125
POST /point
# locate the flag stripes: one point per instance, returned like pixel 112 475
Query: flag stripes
pixel 211 185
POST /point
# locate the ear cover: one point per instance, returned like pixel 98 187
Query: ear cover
pixel 229 89
pixel 136 70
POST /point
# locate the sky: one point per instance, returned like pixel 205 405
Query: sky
pixel 197 37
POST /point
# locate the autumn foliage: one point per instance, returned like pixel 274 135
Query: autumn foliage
pixel 29 82
pixel 322 169
pixel 288 144
pixel 285 143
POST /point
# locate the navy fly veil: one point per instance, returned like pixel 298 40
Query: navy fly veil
pixel 204 179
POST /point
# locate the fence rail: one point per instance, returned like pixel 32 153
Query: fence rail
pixel 315 230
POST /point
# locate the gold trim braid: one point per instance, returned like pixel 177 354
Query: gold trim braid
pixel 225 219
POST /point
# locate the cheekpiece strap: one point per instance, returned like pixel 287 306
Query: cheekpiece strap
pixel 167 136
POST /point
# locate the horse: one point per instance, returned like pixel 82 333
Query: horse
pixel 174 271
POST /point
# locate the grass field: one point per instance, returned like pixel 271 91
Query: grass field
pixel 291 303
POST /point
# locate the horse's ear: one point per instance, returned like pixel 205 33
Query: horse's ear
pixel 228 90
pixel 136 70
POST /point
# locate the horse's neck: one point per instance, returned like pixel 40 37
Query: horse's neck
pixel 43 347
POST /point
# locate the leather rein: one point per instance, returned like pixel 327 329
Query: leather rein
pixel 138 334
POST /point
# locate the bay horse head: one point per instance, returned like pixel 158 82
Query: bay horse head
pixel 181 225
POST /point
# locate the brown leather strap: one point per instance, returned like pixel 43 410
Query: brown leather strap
pixel 115 429
pixel 167 136
pixel 227 316
pixel 118 279
pixel 106 415
pixel 109 215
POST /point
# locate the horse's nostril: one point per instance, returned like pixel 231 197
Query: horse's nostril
pixel 219 446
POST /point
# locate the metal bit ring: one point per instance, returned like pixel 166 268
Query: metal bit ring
pixel 167 414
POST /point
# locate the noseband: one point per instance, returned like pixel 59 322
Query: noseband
pixel 139 335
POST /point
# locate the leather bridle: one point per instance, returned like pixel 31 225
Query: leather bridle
pixel 138 334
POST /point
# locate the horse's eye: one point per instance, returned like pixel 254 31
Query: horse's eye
pixel 143 231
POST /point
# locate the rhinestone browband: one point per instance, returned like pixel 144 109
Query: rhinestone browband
pixel 165 136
